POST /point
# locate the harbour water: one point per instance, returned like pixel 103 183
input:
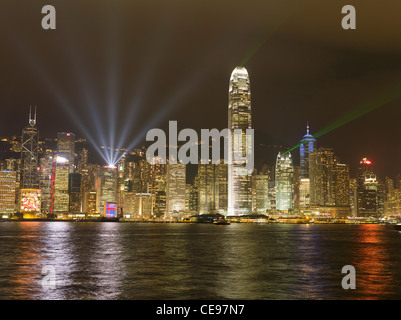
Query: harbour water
pixel 147 261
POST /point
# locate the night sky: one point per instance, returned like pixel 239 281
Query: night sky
pixel 130 64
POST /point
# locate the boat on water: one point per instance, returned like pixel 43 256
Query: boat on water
pixel 221 222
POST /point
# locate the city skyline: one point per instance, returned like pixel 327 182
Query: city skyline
pixel 61 183
pixel 305 68
pixel 200 152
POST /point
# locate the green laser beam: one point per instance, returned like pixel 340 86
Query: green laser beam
pixel 366 107
pixel 268 33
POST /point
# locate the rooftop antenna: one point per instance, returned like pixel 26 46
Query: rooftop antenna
pixel 32 121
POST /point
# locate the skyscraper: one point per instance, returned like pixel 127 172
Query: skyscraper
pixel 66 148
pixel 368 190
pixel 322 166
pixel 304 194
pixel 74 190
pixel 176 186
pixel 7 191
pixel 212 188
pixel 29 154
pixel 239 119
pixel 308 145
pixel 260 193
pixel 342 186
pixel 46 164
pixel 284 182
pixel 106 183
pixel 59 186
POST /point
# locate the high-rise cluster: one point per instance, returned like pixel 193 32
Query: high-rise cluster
pixel 55 178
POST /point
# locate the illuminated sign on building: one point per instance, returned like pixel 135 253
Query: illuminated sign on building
pixel 30 200
pixel 110 209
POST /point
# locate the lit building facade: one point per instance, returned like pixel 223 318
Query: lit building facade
pixel 304 194
pixel 308 145
pixel 106 187
pixel 284 179
pixel 322 173
pixel 75 194
pixel 138 205
pixel 368 190
pixel 60 199
pixel 46 164
pixel 239 118
pixel 176 186
pixel 393 203
pixel 260 193
pixel 342 185
pixel 66 148
pixel 7 192
pixel 212 188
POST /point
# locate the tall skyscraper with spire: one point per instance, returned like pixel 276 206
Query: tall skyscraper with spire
pixel 239 120
pixel 308 145
pixel 29 154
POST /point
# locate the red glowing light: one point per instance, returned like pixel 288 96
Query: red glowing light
pixel 365 161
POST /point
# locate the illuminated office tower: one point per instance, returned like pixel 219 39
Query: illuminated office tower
pixel 380 198
pixel 75 194
pixel 297 181
pixel 342 185
pixel 304 200
pixel 308 145
pixel 284 182
pixel 389 184
pixel 46 164
pixel 87 173
pixel 272 195
pixel 106 182
pixel 60 198
pixel 7 192
pixel 89 202
pixel 128 207
pixel 187 196
pixel 88 187
pixel 121 183
pixel 393 203
pixel 153 179
pixel 29 154
pixel 15 165
pixel 140 205
pixel 367 190
pixel 239 117
pixel 66 148
pixel 193 197
pixel 222 188
pixel 322 173
pixel 260 193
pixel 84 169
pixel 397 181
pixel 175 193
pixel 212 188
pixel 82 160
pixel 353 196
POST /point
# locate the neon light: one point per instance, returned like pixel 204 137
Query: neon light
pixel 30 200
pixel 111 210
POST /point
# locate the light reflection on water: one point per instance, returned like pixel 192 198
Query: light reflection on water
pixel 198 261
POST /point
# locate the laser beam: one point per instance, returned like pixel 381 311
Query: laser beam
pixel 366 107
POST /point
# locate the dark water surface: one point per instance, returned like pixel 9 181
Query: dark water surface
pixel 197 261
